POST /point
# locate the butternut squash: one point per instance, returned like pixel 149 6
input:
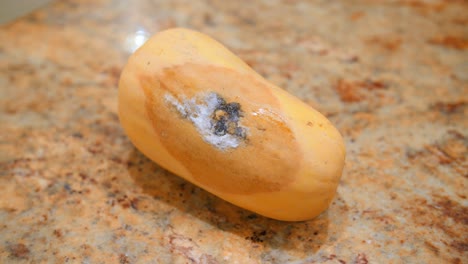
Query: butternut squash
pixel 199 111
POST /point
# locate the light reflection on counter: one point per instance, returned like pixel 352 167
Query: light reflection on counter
pixel 136 40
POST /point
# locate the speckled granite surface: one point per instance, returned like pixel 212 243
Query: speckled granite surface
pixel 391 75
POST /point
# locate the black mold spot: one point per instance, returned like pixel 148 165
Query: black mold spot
pixel 220 127
pixel 225 119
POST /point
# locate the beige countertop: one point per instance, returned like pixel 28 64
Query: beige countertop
pixel 391 75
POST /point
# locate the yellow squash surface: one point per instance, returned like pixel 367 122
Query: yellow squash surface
pixel 199 111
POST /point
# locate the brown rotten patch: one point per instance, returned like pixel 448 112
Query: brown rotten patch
pixel 277 152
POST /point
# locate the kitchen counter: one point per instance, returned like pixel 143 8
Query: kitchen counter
pixel 391 75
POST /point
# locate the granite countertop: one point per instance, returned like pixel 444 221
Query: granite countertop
pixel 391 75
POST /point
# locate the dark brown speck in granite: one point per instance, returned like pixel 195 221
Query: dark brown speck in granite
pixel 391 75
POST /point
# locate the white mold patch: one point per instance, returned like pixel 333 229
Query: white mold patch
pixel 217 122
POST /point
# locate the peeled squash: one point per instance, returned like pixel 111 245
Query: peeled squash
pixel 199 111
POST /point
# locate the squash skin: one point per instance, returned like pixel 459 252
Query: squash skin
pixel 281 158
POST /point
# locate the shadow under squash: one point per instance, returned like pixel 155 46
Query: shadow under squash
pixel 296 238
